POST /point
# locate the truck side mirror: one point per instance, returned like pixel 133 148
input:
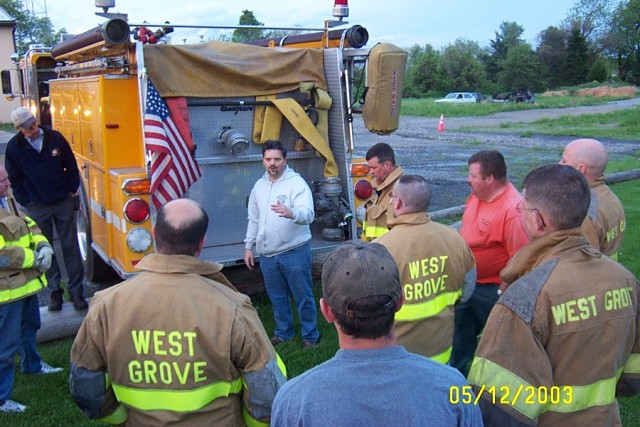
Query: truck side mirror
pixel 6 82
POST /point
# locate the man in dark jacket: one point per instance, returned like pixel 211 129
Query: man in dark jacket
pixel 45 179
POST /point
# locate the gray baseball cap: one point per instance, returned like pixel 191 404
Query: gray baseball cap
pixel 357 270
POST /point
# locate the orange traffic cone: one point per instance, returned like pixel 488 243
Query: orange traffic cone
pixel 441 124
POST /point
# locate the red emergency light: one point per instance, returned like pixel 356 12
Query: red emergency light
pixel 136 211
pixel 363 189
pixel 341 9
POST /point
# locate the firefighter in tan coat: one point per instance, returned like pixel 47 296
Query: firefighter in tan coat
pixel 564 338
pixel 382 165
pixel 436 266
pixel 177 344
pixel 605 221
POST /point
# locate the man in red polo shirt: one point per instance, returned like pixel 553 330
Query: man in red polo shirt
pixel 492 227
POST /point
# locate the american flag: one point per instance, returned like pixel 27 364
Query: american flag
pixel 167 137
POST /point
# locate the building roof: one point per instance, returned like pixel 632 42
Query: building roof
pixel 5 17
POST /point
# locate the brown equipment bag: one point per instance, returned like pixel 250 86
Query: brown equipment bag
pixel 385 77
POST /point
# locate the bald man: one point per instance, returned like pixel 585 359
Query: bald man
pixel 180 345
pixel 605 222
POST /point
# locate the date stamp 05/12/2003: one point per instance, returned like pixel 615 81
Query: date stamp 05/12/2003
pixel 509 395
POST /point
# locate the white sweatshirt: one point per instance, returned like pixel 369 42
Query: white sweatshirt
pixel 271 233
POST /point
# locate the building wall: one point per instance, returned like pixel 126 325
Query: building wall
pixel 7 47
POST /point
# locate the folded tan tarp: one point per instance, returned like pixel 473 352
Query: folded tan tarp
pixel 220 69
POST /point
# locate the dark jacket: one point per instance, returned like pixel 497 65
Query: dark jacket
pixel 47 177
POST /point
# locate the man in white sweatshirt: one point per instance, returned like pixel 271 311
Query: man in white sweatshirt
pixel 280 211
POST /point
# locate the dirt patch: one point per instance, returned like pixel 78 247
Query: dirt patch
pixel 606 91
pixel 597 92
pixel 556 93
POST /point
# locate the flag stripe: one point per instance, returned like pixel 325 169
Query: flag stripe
pixel 173 168
pixel 182 152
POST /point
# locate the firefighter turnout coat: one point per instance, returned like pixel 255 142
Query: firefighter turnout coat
pixel 434 263
pixel 20 238
pixel 175 345
pixel 605 222
pixel 561 339
pixel 378 207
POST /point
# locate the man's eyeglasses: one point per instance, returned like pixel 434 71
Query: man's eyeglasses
pixel 520 207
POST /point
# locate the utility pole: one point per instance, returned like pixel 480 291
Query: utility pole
pixel 36 7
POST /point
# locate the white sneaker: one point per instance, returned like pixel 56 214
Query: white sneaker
pixel 12 407
pixel 45 369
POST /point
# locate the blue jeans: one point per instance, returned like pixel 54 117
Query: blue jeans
pixel 286 274
pixel 19 322
pixel 470 318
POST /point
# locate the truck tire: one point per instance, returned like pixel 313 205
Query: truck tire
pixel 95 269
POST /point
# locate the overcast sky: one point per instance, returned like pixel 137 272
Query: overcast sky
pixel 402 22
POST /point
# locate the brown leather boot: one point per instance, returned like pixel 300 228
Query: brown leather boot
pixel 79 303
pixel 56 301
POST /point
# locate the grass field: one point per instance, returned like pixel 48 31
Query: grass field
pixel 621 124
pixel 426 107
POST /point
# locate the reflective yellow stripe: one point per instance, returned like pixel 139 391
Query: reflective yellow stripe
pixel 39 238
pixel 281 365
pixel 487 373
pixel 373 231
pixel 600 393
pixel 29 258
pixel 633 364
pixel 119 416
pixel 175 400
pixel 442 357
pixel 30 222
pixel 31 287
pixel 24 241
pixel 490 374
pixel 250 421
pixel 428 308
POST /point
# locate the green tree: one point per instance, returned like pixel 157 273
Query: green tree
pixel 423 72
pixel 623 41
pixel 30 28
pixel 577 63
pixel 520 69
pixel 461 68
pixel 598 72
pixel 552 54
pixel 509 36
pixel 241 35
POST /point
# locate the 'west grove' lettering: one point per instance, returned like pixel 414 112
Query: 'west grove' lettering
pixel 585 307
pixel 161 343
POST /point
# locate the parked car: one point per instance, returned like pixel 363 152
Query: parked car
pixel 458 97
pixel 479 96
pixel 523 95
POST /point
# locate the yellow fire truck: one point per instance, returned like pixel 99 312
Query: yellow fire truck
pixel 95 89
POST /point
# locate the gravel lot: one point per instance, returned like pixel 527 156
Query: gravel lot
pixel 442 157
